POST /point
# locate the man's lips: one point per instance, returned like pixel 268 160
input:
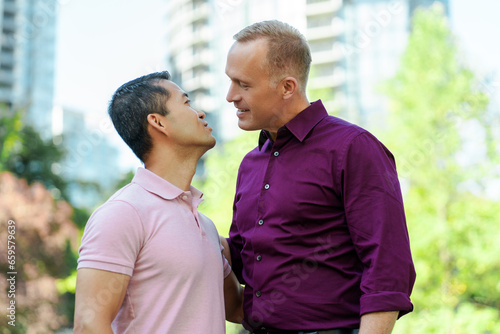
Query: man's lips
pixel 206 125
pixel 241 111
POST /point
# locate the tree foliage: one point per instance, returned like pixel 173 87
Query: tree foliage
pixel 24 153
pixel 435 99
pixel 219 185
pixel 45 250
pixel 10 126
pixel 46 234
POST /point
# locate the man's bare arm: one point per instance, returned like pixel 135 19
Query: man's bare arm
pixel 233 299
pixel 99 296
pixel 233 291
pixel 378 322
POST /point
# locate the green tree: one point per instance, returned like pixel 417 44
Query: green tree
pixel 46 226
pixel 45 246
pixel 10 126
pixel 24 153
pixel 435 98
pixel 219 184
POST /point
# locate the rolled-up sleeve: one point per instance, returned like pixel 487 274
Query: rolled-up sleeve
pixel 377 224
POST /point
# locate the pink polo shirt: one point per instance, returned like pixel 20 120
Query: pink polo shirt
pixel 152 231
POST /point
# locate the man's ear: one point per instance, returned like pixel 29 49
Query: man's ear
pixel 289 87
pixel 157 122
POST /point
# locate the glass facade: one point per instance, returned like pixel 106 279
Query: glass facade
pixel 27 61
pixel 356 45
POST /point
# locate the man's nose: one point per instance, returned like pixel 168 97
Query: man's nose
pixel 201 114
pixel 232 95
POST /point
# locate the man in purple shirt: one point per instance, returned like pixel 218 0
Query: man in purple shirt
pixel 319 236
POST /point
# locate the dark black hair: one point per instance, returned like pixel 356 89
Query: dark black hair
pixel 130 106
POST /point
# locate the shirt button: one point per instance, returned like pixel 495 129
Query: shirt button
pixel 266 186
pixel 261 222
pixel 276 153
pixel 258 294
pixel 184 197
pixel 259 257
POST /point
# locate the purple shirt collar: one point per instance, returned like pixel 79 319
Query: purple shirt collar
pixel 300 125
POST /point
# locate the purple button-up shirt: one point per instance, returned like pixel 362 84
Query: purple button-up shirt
pixel 319 233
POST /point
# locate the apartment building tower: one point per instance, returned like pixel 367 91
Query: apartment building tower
pixel 27 59
pixel 356 45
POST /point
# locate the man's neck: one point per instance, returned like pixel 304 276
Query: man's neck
pixel 290 112
pixel 176 169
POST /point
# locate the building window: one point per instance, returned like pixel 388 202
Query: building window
pixel 323 70
pixel 321 45
pixel 323 20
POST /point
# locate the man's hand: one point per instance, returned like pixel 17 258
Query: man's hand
pixel 99 296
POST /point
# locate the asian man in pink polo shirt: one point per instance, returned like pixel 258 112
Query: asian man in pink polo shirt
pixel 149 261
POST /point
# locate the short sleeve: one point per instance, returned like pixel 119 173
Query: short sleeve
pixel 112 239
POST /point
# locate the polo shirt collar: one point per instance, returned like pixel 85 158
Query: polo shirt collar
pixel 302 124
pixel 161 187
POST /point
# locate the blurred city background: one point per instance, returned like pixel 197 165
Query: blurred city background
pixel 423 76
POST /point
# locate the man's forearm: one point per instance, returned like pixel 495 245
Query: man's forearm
pixel 95 326
pixel 233 291
pixel 233 299
pixel 88 322
pixel 378 322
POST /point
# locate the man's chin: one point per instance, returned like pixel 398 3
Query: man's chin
pixel 211 143
pixel 246 126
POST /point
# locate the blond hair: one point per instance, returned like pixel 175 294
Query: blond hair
pixel 288 51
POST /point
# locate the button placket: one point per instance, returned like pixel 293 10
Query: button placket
pixel 265 187
pixel 192 205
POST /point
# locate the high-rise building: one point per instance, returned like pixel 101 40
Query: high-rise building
pixel 191 53
pixel 356 45
pixel 200 33
pixel 8 11
pixel 91 162
pixel 27 59
pixel 375 36
pixel 324 34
